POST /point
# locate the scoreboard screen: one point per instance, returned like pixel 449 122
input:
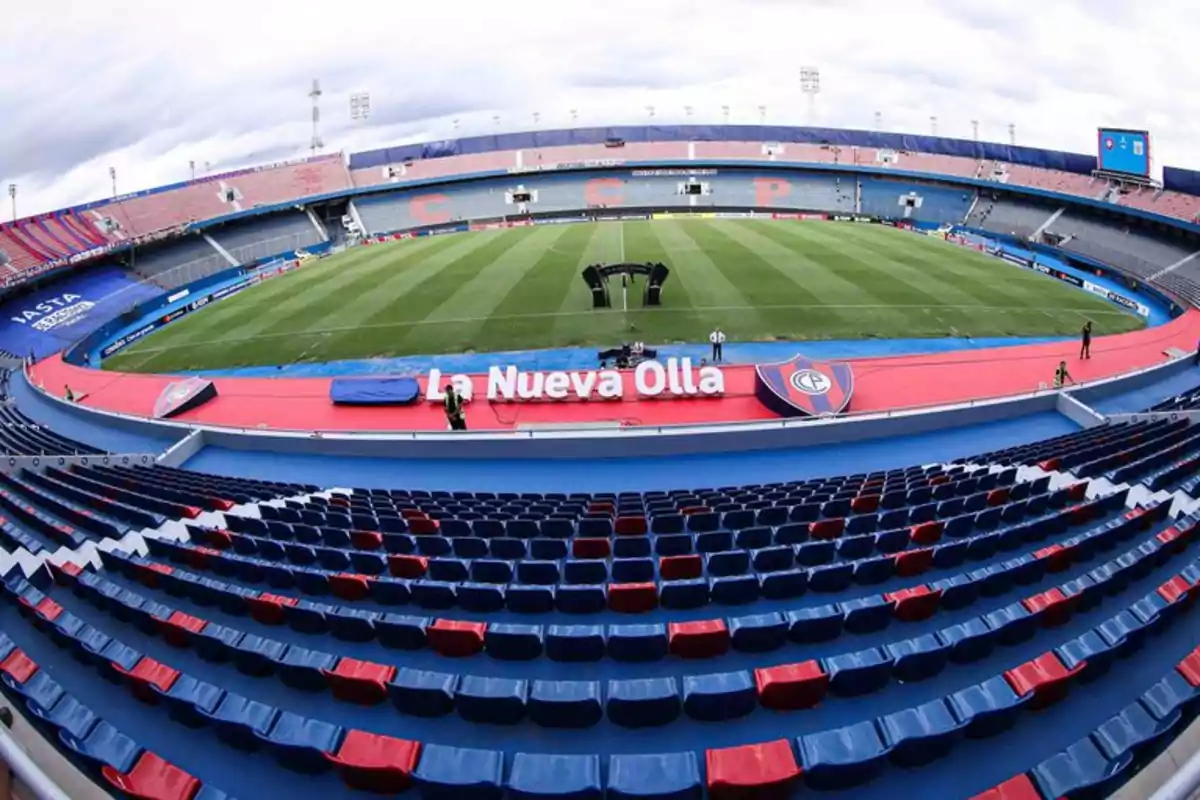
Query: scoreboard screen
pixel 1124 151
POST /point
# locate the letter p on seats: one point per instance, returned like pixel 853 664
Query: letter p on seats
pixel 603 192
pixel 768 191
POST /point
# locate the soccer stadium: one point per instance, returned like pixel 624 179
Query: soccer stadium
pixel 641 462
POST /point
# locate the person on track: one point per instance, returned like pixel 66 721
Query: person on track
pixel 1085 340
pixel 717 340
pixel 455 415
pixel 1061 376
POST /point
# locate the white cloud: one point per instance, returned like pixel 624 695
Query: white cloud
pixel 146 86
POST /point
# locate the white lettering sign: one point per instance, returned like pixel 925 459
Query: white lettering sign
pixel 508 384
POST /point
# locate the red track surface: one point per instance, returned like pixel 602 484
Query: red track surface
pixel 881 384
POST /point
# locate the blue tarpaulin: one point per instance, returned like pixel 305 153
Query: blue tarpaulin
pixel 374 391
pixel 1181 180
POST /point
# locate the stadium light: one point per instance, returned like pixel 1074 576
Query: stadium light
pixel 975 129
pixel 687 110
pixel 725 113
pixel 574 115
pixel 933 125
pixel 112 173
pixel 810 87
pixel 1012 134
pixel 496 121
pixel 455 122
pixel 878 120
pixel 12 193
pixel 762 115
pixel 650 111
pixel 314 94
pixel 537 118
pixel 192 167
pixel 360 105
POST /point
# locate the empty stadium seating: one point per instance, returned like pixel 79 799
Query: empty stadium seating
pixel 255 239
pixel 941 630
pixel 35 244
pixel 21 436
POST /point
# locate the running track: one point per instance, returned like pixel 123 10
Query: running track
pixel 881 384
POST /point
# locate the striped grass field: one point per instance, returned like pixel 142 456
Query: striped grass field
pixel 521 289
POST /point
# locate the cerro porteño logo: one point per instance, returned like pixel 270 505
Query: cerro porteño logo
pixel 811 381
pixel 801 386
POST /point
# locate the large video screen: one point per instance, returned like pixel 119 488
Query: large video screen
pixel 1124 151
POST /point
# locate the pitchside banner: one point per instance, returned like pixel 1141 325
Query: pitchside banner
pixel 49 319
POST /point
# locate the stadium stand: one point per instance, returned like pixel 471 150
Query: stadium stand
pixel 219 195
pixel 1171 204
pixel 1010 217
pixel 255 239
pixel 434 168
pixel 1140 254
pixel 1048 179
pixel 17 249
pixel 182 261
pixel 920 203
pixel 21 436
pixel 34 245
pixel 871 634
pixel 1185 401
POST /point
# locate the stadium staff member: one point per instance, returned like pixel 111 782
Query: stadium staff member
pixel 717 340
pixel 1085 340
pixel 1061 376
pixel 454 409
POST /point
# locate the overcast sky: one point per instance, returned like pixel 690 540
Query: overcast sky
pixel 146 86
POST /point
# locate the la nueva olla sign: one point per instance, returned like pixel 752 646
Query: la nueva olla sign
pixel 674 378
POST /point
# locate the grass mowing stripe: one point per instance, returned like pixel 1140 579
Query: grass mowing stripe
pixel 768 286
pixel 337 286
pixel 706 284
pixel 415 294
pixel 842 279
pixel 892 267
pixel 979 279
pixel 856 271
pixel 542 288
pixel 480 296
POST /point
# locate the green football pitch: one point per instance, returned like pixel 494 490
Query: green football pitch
pixel 521 288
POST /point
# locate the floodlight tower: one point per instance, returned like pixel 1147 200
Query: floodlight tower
pixel 762 115
pixel 192 167
pixel 725 113
pixel 933 125
pixel 314 94
pixel 810 87
pixel 1012 134
pixel 112 174
pixel 687 111
pixel 878 120
pixel 574 116
pixel 12 194
pixel 975 129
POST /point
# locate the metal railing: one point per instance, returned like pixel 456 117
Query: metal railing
pixel 27 772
